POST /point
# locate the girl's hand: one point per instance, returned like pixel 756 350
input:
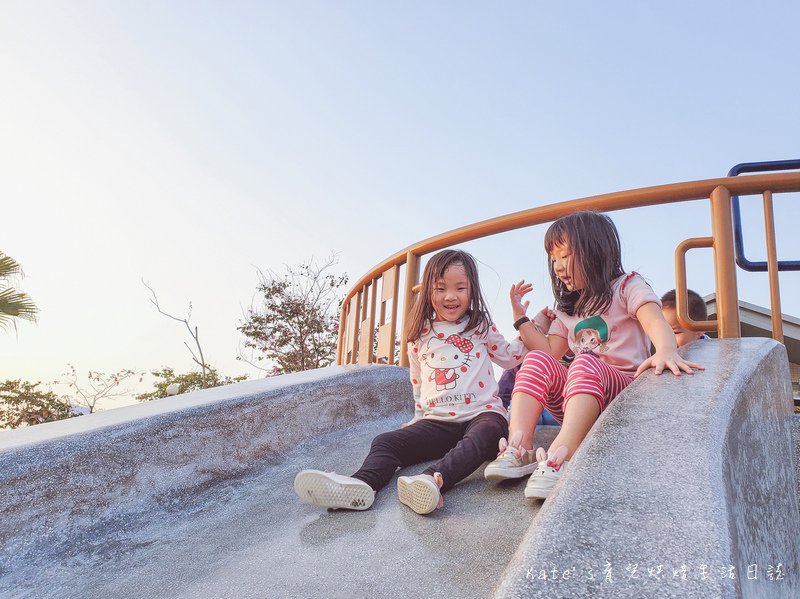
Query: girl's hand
pixel 542 320
pixel 666 359
pixel 518 291
pixel 655 326
pixel 409 423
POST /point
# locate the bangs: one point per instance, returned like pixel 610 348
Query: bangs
pixel 556 235
pixel 438 273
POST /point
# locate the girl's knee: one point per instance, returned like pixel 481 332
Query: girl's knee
pixel 489 431
pixel 491 424
pixel 536 359
pixel 586 361
pixel 585 367
pixel 387 439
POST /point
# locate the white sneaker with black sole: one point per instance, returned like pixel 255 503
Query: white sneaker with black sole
pixel 331 490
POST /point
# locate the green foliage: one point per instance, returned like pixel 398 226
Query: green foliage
pixel 13 304
pixel 296 325
pixel 191 381
pixel 23 404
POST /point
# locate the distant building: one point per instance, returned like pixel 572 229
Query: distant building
pixel 757 322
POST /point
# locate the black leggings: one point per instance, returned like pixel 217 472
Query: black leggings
pixel 464 445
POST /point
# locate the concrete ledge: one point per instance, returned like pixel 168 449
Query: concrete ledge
pixel 61 481
pixel 680 479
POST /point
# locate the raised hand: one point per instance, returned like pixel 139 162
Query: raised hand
pixel 518 292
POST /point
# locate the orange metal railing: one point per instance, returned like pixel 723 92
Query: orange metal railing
pixel 368 336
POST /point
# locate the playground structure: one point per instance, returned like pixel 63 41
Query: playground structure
pixel 679 481
pixel 360 319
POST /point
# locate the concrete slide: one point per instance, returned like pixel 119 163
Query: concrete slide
pixel 685 487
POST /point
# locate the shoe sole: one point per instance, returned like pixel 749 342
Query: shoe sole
pixel 318 488
pixel 422 496
pixel 508 473
pixel 542 488
pixel 537 493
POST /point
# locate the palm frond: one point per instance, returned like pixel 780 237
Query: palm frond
pixel 16 304
pixel 9 267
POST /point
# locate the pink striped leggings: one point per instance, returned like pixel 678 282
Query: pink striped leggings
pixel 552 385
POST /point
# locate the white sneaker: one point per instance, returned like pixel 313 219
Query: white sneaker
pixel 331 490
pixel 508 465
pixel 420 493
pixel 544 479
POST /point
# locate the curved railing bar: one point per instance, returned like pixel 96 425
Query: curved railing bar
pixel 741 259
pixel 647 196
pixel 636 198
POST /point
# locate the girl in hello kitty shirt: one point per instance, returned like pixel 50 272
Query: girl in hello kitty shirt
pixel 458 416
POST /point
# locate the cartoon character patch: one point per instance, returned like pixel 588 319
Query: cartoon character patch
pixel 590 335
pixel 445 357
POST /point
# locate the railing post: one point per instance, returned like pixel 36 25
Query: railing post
pixel 412 275
pixel 724 264
pixel 772 269
pixel 340 350
pixel 681 290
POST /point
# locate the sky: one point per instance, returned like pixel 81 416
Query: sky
pixel 192 144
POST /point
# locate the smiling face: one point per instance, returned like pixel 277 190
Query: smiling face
pixel 564 267
pixel 450 295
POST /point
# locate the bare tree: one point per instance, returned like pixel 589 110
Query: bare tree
pixel 98 386
pixel 193 332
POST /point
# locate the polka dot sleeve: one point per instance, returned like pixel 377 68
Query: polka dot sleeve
pixel 502 352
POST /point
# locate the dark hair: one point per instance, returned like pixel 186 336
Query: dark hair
pixel 697 307
pixel 596 259
pixel 422 312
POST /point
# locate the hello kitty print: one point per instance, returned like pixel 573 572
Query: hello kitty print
pixel 444 358
pixel 452 374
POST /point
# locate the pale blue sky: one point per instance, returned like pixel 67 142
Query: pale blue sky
pixel 190 143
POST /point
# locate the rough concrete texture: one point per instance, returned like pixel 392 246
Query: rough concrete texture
pixel 64 485
pixel 192 497
pixel 680 480
pixel 796 431
pixel 244 533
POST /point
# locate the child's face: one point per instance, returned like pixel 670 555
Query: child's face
pixel 682 336
pixel 564 267
pixel 450 294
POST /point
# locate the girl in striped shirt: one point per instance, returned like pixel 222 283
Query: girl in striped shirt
pixel 605 317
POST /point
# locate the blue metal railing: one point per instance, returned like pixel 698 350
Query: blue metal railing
pixel 738 240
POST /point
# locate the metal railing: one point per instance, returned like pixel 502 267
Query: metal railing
pixel 368 329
